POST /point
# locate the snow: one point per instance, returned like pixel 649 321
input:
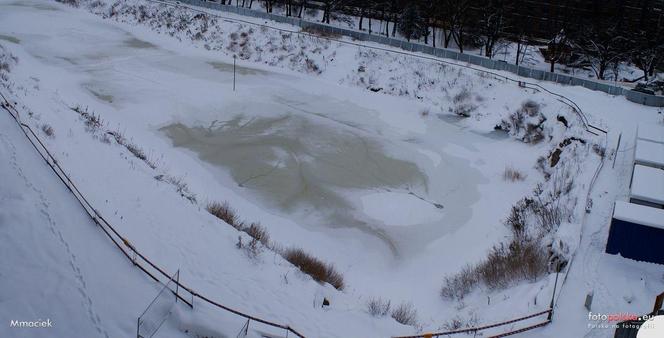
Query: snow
pixel 651 132
pixel 648 184
pixel 649 154
pixel 399 246
pixel 639 214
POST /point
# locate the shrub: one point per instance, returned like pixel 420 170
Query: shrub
pixel 405 314
pixel 526 123
pixel 464 109
pixel 136 151
pixel 253 249
pixel 513 175
pixel 459 285
pixel 224 212
pixel 312 266
pixel 462 96
pixel 92 121
pixel 518 218
pixel 258 233
pixel 522 259
pixel 48 130
pixel 378 307
pixel 458 323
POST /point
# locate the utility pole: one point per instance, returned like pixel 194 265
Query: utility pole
pixel 234 58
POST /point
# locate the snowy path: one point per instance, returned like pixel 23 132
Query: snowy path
pixel 53 250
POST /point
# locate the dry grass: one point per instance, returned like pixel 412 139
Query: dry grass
pixel 224 212
pixel 320 271
pixel 258 233
pixel 513 175
pixel 505 265
pixel 378 307
pixel 405 314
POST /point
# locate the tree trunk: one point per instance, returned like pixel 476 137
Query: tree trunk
pixel 447 35
pixel 433 37
pixel 361 18
pixel 299 15
pixel 602 70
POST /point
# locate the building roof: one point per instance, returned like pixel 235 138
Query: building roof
pixel 639 214
pixel 648 184
pixel 649 153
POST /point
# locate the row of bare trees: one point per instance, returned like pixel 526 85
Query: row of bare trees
pixel 600 35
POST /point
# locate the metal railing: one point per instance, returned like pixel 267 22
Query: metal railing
pixel 541 75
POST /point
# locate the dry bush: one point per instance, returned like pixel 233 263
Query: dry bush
pixel 549 214
pixel 93 121
pixel 378 307
pixel 224 212
pixel 464 109
pixel 505 265
pixel 526 123
pixel 517 220
pixel 405 314
pixel 462 96
pixel 458 323
pixel 312 67
pixel 520 260
pixel 425 112
pixel 461 284
pixel 252 249
pixel 258 233
pixel 136 151
pixel 513 175
pixel 312 266
pixel 48 130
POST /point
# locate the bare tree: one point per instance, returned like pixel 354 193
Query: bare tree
pixel 458 17
pixel 603 41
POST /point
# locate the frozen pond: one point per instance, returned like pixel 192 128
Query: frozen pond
pixel 324 162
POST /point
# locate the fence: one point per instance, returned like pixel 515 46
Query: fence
pixel 159 309
pixel 128 250
pixel 631 95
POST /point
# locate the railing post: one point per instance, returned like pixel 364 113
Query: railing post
pixel 553 296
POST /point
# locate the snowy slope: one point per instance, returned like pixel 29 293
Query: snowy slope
pixel 139 82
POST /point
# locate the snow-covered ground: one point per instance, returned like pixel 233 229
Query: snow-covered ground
pixel 391 187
